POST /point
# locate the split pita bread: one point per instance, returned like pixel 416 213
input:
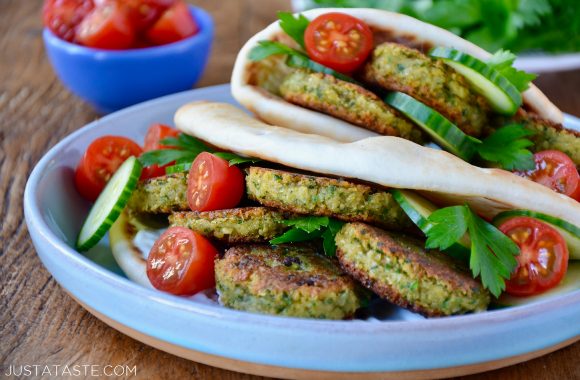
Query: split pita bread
pixel 383 160
pixel 399 28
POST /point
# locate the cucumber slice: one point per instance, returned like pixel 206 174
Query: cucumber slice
pixel 502 95
pixel 444 132
pixel 570 283
pixel 569 232
pixel 109 204
pixel 178 168
pixel 418 210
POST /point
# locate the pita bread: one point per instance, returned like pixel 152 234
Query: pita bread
pixel 277 111
pixel 384 160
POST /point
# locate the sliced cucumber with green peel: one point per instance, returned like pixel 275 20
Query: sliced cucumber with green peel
pixel 109 204
pixel 569 232
pixel 443 132
pixel 502 95
pixel 178 168
pixel 570 283
pixel 418 210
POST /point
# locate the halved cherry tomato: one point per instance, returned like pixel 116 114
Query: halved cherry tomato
pixel 212 184
pixel 543 258
pixel 339 41
pixel 155 134
pixel 107 27
pixel 100 161
pixel 175 24
pixel 63 16
pixel 557 171
pixel 181 262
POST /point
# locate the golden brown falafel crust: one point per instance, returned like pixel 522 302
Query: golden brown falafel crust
pixel 314 195
pixel 290 280
pixel 232 226
pixel 163 194
pixel 395 67
pixel 347 101
pixel 433 276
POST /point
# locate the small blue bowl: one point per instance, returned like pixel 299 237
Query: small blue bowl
pixel 113 79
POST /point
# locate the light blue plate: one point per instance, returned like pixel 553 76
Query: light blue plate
pixel 203 331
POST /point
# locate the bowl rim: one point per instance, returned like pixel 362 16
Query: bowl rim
pixel 38 225
pixel 205 32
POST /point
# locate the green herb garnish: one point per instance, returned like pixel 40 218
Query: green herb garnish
pixel 184 149
pixel 502 61
pixel 294 26
pixel 311 228
pixel 492 252
pixel 507 146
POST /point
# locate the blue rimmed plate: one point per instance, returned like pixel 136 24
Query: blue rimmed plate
pixel 401 346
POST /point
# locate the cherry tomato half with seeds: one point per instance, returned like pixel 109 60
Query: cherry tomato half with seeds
pixel 107 27
pixel 100 161
pixel 212 184
pixel 543 258
pixel 175 24
pixel 155 134
pixel 63 16
pixel 338 41
pixel 181 262
pixel 557 171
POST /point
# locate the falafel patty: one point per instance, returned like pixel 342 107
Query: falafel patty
pixel 163 194
pixel 312 195
pixel 285 280
pixel 346 101
pixel 395 67
pixel 399 270
pixel 550 136
pixel 238 225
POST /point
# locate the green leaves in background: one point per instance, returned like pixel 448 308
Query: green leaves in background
pixel 549 25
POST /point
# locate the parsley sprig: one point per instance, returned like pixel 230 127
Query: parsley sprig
pixel 492 252
pixel 507 147
pixel 184 149
pixel 503 61
pixel 294 26
pixel 311 228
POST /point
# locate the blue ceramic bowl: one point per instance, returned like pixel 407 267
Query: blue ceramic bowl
pixel 113 79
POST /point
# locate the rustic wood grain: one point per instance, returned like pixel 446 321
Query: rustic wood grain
pixel 40 323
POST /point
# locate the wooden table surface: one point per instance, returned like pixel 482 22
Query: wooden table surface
pixel 40 323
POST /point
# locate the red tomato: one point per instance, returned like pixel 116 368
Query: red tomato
pixel 339 41
pixel 63 16
pixel 181 262
pixel 212 184
pixel 100 161
pixel 175 24
pixel 155 134
pixel 543 258
pixel 557 171
pixel 144 13
pixel 107 27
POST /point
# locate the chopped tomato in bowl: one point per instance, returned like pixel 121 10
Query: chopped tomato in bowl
pixel 111 77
